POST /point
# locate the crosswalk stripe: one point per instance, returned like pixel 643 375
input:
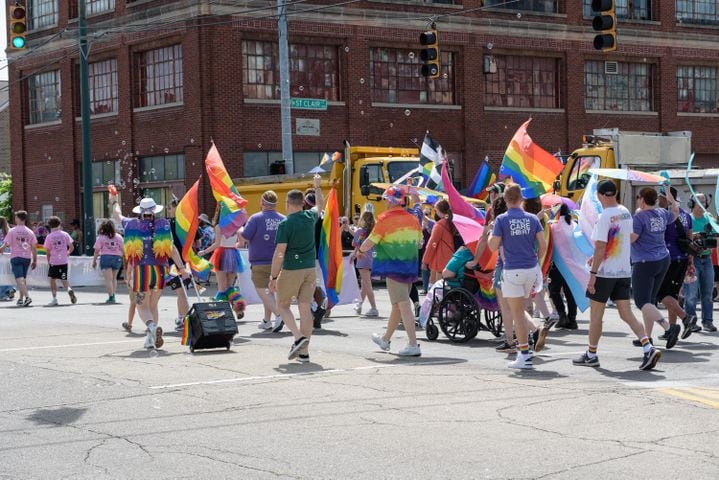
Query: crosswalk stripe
pixel 703 396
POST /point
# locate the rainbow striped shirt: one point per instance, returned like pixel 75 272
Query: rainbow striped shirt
pixel 396 236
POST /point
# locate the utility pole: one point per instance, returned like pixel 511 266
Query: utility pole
pixel 88 215
pixel 285 101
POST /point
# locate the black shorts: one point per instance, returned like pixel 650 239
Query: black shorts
pixel 673 280
pixel 716 273
pixel 58 272
pixel 174 282
pixel 614 288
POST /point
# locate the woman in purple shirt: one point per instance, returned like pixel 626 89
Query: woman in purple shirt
pixel 650 259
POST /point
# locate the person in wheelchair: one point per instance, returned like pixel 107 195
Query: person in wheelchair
pixel 453 276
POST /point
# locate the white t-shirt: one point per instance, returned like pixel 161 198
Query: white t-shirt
pixel 615 227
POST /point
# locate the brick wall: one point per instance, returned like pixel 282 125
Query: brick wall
pixel 5 141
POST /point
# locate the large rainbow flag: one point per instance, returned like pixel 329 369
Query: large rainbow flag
pixel 186 224
pixel 232 212
pixel 528 164
pixel 330 248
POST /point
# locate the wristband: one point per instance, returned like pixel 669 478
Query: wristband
pixel 592 273
pixel 273 277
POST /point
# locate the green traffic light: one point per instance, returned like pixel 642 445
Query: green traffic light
pixel 18 42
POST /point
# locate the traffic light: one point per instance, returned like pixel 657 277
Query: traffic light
pixel 606 24
pixel 430 53
pixel 18 26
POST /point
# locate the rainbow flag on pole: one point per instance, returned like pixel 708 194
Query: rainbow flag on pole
pixel 330 249
pixel 232 213
pixel 528 164
pixel 186 223
pixel 482 179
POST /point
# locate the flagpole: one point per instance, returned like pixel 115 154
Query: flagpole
pixel 285 101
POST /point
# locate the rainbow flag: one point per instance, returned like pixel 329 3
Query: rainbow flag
pixel 232 212
pixel 330 249
pixel 186 339
pixel 482 179
pixel 528 164
pixel 186 224
pixel 41 250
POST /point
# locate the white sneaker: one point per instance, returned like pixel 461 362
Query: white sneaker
pixel 521 362
pixel 277 327
pixel 53 303
pixel 372 312
pixel 410 351
pixel 381 342
pixel 150 338
pixel 358 308
pixel 265 325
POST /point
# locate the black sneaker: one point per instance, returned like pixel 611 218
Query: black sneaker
pixel 28 301
pixel 317 317
pixel 304 357
pixel 568 323
pixel 663 336
pixel 506 347
pixel 586 361
pixel 296 347
pixel 672 335
pixel 534 338
pixel 689 322
pixel 638 343
pixel 709 327
pixel 696 328
pixel 73 297
pixel 650 359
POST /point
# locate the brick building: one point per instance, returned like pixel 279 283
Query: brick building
pixel 4 130
pixel 167 76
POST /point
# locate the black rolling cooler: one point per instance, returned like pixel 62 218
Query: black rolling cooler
pixel 212 325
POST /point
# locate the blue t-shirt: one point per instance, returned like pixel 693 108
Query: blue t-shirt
pixel 518 231
pixel 260 233
pixel 650 225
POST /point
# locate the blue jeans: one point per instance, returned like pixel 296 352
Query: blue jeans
pixel 701 289
pixel 5 290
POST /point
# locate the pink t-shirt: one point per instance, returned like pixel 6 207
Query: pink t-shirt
pixel 56 245
pixel 22 241
pixel 109 246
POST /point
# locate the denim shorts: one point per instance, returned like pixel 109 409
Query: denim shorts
pixel 113 262
pixel 20 266
pixel 497 278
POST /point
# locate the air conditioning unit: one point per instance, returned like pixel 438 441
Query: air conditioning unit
pixel 611 68
pixel 490 64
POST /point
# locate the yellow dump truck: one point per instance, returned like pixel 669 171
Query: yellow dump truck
pixel 360 177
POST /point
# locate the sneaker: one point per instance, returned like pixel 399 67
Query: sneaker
pixel 73 298
pixel 159 342
pixel 709 327
pixel 533 338
pixel 179 325
pixel 586 361
pixel 53 303
pixel 521 362
pixel 304 357
pixel 688 322
pixel 638 343
pixel 506 347
pixel 19 302
pixel 358 308
pixel 650 359
pixel 372 312
pixel 28 301
pixel 127 326
pixel 296 347
pixel 663 336
pixel 265 325
pixel 410 351
pixel 673 335
pixel 696 328
pixel 551 321
pixel 150 339
pixel 317 317
pixel 541 338
pixel 277 328
pixel 567 323
pixel 381 342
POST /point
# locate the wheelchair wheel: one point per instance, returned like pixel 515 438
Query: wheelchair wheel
pixel 459 316
pixel 431 331
pixel 494 323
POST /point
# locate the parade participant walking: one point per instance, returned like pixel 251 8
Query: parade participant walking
pixel 59 246
pixel 650 260
pixel 23 254
pixel 558 285
pixel 7 292
pixel 364 265
pixel 396 238
pixel 443 242
pixel 148 246
pixel 260 232
pixel 108 247
pixel 517 232
pixel 702 288
pixel 293 274
pixel 610 277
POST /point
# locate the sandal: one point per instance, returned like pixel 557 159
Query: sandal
pixel 127 327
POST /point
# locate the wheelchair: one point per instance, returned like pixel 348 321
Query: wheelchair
pixel 462 312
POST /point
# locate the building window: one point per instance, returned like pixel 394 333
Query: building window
pixel 257 164
pixel 698 11
pixel 42 14
pixel 631 9
pixel 314 71
pixel 99 6
pixel 631 89
pixel 546 6
pixel 103 86
pixel 162 168
pixel 44 95
pixel 697 89
pixel 524 82
pixel 159 76
pixel 395 78
pixel 105 173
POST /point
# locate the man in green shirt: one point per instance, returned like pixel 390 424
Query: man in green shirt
pixel 292 275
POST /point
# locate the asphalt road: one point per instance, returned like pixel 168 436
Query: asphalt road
pixel 81 399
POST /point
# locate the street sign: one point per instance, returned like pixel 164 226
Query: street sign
pixel 309 104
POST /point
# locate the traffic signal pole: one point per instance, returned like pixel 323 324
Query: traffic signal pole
pixel 285 101
pixel 88 215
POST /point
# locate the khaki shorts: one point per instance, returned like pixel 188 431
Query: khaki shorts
pixel 261 275
pixel 398 291
pixel 296 283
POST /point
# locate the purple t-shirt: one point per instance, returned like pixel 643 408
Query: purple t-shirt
pixel 260 233
pixel 56 245
pixel 518 231
pixel 650 225
pixel 672 235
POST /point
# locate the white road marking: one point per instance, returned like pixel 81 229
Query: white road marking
pixel 71 345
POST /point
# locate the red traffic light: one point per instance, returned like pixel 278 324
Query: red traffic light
pixel 18 12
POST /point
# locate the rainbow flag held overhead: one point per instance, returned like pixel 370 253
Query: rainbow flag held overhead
pixel 482 179
pixel 330 248
pixel 232 211
pixel 528 164
pixel 186 224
